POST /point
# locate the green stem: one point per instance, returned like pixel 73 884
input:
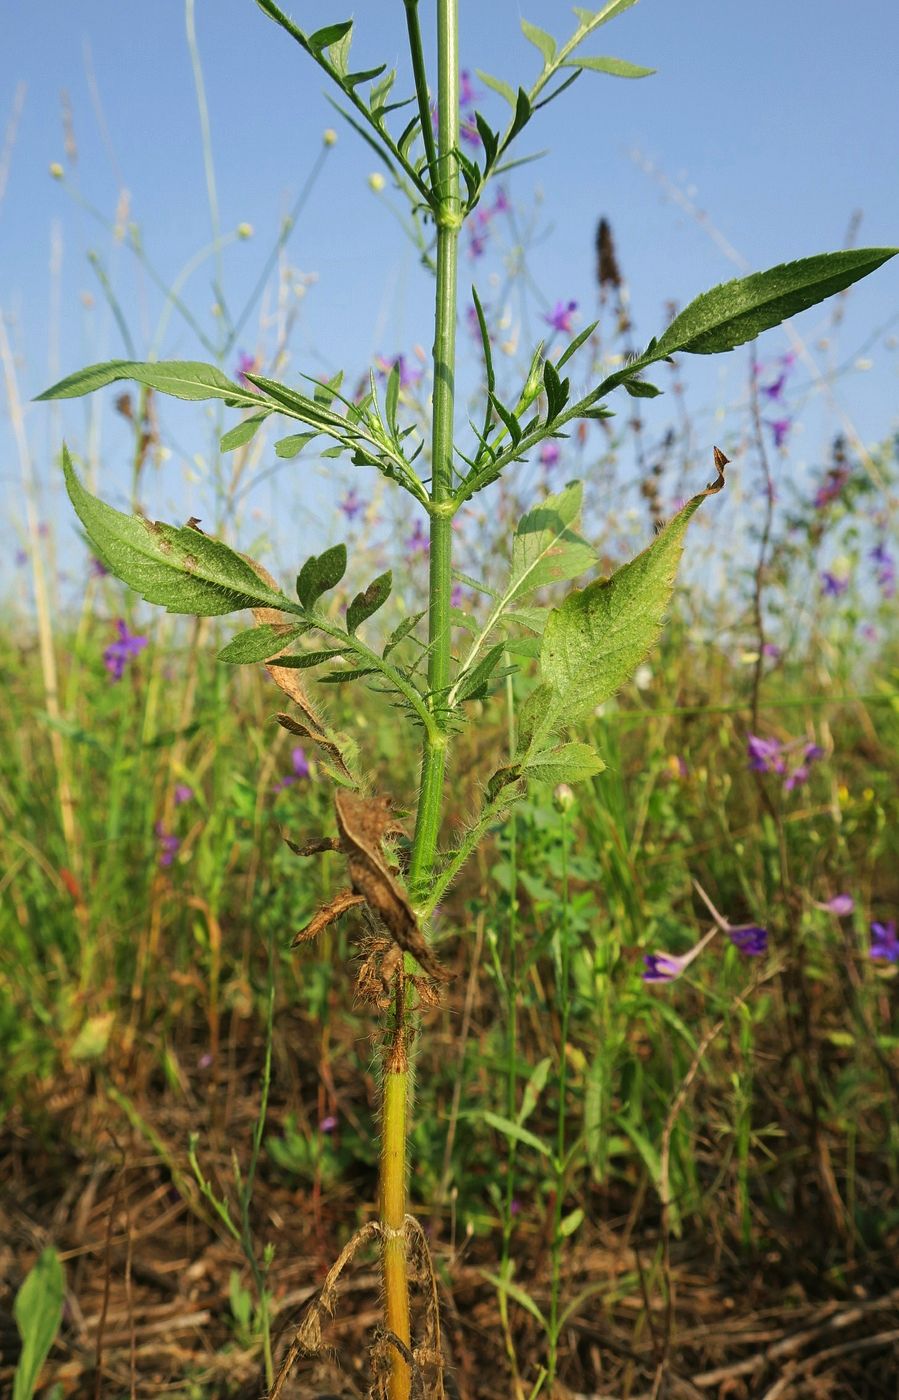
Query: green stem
pixel 421 90
pixel 564 995
pixel 394 1126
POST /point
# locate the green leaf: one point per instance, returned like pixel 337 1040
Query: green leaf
pixel 738 311
pixel 515 1131
pixel 573 1221
pixel 567 763
pixel 320 573
pixel 539 37
pixel 259 643
pixel 485 340
pixel 183 379
pixel 533 1089
pixel 364 605
pixel 38 1313
pixel 545 549
pixel 557 391
pixel 511 422
pixel 292 446
pixel 242 432
pixel 399 634
pixel 595 18
pixel 330 34
pixel 498 85
pixel 184 570
pixel 576 344
pixel 474 683
pixel 617 67
pixel 522 114
pixel 523 1299
pixel 640 389
pixel 596 640
pixel 302 660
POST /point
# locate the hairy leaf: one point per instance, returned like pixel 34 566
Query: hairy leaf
pixel 366 604
pixel 183 379
pixel 596 640
pixel 738 311
pixel 260 643
pixel 242 432
pixel 320 573
pixel 183 569
pixel 567 763
pixel 545 549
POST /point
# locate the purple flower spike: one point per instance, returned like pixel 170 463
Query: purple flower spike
pixel 560 316
pixel 169 844
pixel 780 428
pixel 467 94
pixel 246 364
pixel 550 453
pixel 765 755
pixel 750 939
pixel 886 569
pixel 97 569
pixel 457 596
pixel 127 646
pixel 301 769
pixel 183 793
pixel 884 943
pixel 408 376
pixel 352 504
pixel 833 585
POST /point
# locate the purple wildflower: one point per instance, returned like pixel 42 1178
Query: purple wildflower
pixel 502 204
pixel 457 596
pixel 765 755
pixel 204 1062
pixel 751 939
pixel 183 794
pixel 832 488
pixel 833 585
pixel 169 844
pixel 301 769
pixel 469 132
pixel 884 943
pixel 886 569
pixel 21 558
pixel 663 967
pixel 246 364
pixel 550 453
pixel 97 569
pixel 560 316
pixel 841 905
pixel 773 650
pixel 124 649
pixel 780 427
pixel 328 1124
pixel 352 504
pixel 408 376
pixel 467 94
pixel 417 542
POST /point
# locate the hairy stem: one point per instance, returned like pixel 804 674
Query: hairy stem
pixel 430 799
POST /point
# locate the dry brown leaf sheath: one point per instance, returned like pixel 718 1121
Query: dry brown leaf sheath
pixel 363 822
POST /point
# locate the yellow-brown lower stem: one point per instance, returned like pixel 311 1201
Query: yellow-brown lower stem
pixel 393 1211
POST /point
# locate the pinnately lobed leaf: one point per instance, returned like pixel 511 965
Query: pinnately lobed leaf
pixel 596 640
pixel 183 569
pixel 738 311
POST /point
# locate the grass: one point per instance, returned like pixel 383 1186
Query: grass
pixel 731 1135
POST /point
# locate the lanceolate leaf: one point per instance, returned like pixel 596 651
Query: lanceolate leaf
pixel 596 640
pixel 242 432
pixel 738 311
pixel 540 39
pixel 184 570
pixel 366 604
pixel 38 1313
pixel 259 643
pixel 319 573
pixel 184 379
pixel 616 67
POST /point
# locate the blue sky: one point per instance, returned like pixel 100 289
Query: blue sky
pixel 778 119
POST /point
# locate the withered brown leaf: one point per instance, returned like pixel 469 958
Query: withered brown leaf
pixel 363 822
pixel 343 901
